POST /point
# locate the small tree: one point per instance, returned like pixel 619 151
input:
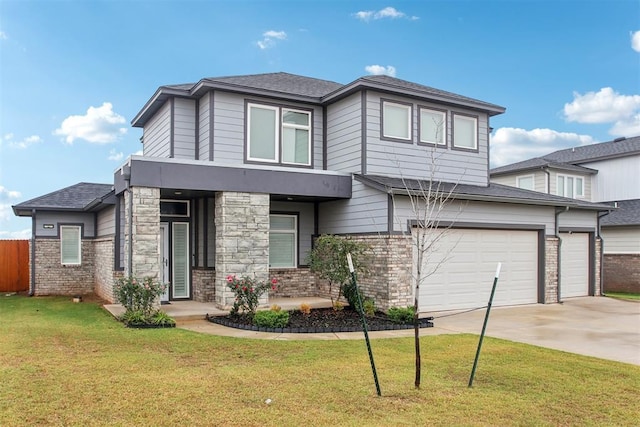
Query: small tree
pixel 328 259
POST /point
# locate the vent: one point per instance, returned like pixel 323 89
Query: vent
pixel 622 138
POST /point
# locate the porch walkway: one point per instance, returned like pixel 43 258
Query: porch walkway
pixel 183 311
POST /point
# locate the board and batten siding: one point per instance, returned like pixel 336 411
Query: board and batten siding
pixel 411 160
pixel 157 133
pixel 184 128
pixel 306 222
pixel 365 212
pixel 209 240
pixel 539 180
pixel 344 135
pixel 617 179
pixel 621 240
pixel 86 219
pixel 203 136
pixel 106 222
pixel 491 215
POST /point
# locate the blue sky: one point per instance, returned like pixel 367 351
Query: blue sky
pixel 74 73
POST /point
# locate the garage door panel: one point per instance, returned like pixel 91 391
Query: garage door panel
pixel 574 270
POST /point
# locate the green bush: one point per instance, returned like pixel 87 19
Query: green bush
pixel 350 293
pixel 401 314
pixel 369 307
pixel 271 319
pixel 161 318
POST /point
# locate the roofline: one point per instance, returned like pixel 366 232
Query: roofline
pixel 543 167
pixel 205 84
pixel 607 157
pixel 161 91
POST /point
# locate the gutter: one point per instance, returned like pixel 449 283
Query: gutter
pixel 598 228
pixel 559 255
pixel 32 282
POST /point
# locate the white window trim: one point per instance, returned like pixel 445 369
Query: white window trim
pixel 444 126
pixel 475 134
pixel 576 195
pixel 295 237
pixel 79 231
pixel 295 126
pixel 276 127
pixel 533 181
pixel 409 109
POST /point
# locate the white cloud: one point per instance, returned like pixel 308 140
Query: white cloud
pixel 269 39
pixel 510 145
pixel 635 41
pixel 378 70
pixel 626 127
pixel 22 234
pixel 8 194
pixel 388 13
pixel 26 142
pixel 115 156
pixel 101 125
pixel 138 153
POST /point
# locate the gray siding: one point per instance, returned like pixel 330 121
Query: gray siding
pixel 305 224
pixel 344 134
pixel 210 240
pixel 578 219
pixel 495 214
pixel 184 129
pixel 87 220
pixel 204 116
pixel 539 180
pixel 228 128
pixel 411 160
pixel 617 179
pixel 365 212
pixel 586 179
pixel 107 222
pixel 621 240
pixel 157 133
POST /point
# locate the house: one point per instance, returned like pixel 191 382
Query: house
pixel 238 174
pixel 607 172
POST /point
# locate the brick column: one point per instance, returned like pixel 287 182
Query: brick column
pixel 242 240
pixel 146 232
pixel 551 270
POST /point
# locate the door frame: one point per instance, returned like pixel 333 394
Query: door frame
pixel 163 259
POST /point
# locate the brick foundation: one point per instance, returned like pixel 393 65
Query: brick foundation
pixel 294 283
pixel 622 273
pixel 53 278
pixel 203 284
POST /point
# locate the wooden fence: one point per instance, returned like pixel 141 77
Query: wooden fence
pixel 14 265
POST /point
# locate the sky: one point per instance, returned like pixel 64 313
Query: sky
pixel 74 73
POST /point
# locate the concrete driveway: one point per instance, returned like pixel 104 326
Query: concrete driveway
pixel 602 327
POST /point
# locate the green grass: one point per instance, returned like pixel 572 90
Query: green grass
pixel 624 295
pixel 72 364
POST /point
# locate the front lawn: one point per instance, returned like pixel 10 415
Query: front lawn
pixel 624 295
pixel 72 364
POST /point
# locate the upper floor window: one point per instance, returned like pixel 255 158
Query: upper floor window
pixel 570 186
pixel 396 120
pixel 70 244
pixel 433 126
pixel 525 182
pixel 278 135
pixel 465 131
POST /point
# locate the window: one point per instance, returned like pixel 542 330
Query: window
pixel 433 126
pixel 174 208
pixel 70 249
pixel 278 135
pixel 283 241
pixel 570 186
pixel 396 120
pixel 465 132
pixel 525 182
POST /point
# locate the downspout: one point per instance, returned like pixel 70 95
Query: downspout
pixel 600 216
pixel 127 178
pixel 559 255
pixel 32 282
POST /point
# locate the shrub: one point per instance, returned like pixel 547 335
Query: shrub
pixel 350 292
pixel 271 319
pixel 276 307
pixel 305 308
pixel 161 318
pixel 401 314
pixel 138 294
pixel 133 317
pixel 248 292
pixel 338 306
pixel 369 307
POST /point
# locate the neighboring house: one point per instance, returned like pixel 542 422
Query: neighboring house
pixel 238 174
pixel 608 172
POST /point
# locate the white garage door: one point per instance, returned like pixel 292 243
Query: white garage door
pixel 574 269
pixel 465 278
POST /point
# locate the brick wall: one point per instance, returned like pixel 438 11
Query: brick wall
pixel 622 273
pixel 203 282
pixel 294 282
pixel 53 278
pixel 551 270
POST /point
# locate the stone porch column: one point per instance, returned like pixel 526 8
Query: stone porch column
pixel 551 270
pixel 145 232
pixel 242 240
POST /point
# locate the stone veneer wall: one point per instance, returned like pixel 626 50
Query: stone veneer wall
pixel 294 282
pixel 551 270
pixel 242 240
pixel 203 284
pixel 53 278
pixel 146 232
pixel 598 267
pixel 621 273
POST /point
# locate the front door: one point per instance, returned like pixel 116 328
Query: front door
pixel 180 260
pixel 163 260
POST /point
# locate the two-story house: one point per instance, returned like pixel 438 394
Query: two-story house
pixel 238 174
pixel 607 172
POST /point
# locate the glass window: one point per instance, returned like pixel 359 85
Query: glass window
pixel 283 240
pixel 296 141
pixel 70 244
pixel 465 132
pixel 560 186
pixel 526 182
pixel 433 126
pixel 263 133
pixel 396 121
pixel 579 187
pixel 570 186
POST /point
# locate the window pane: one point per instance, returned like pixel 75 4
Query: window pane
pixel 282 249
pixel 296 118
pixel 526 182
pixel 568 191
pixel 432 126
pixel 579 188
pixel 295 146
pixel 70 245
pixel 180 260
pixel 262 134
pixel 560 186
pixel 396 121
pixel 281 222
pixel 464 132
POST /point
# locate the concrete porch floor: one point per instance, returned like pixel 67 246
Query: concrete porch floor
pixel 183 311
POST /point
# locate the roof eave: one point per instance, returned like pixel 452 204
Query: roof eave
pixel 154 103
pixel 205 85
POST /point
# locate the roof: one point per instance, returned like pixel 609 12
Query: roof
pixel 81 197
pixel 492 193
pixel 573 157
pixel 627 213
pixel 304 89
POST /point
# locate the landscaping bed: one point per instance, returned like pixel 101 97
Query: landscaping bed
pixel 320 320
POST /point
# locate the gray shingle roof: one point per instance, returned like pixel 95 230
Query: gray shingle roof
pixel 79 197
pixel 493 192
pixel 291 84
pixel 627 213
pixel 573 157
